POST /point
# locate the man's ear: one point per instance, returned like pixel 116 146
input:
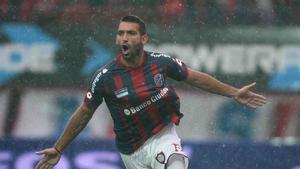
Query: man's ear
pixel 145 39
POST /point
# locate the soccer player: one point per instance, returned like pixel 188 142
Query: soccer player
pixel 144 108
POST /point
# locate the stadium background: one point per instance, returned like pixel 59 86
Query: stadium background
pixel 49 50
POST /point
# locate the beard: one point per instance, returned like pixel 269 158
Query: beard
pixel 130 52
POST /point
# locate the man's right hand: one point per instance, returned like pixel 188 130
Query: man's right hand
pixel 50 159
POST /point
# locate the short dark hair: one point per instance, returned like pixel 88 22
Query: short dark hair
pixel 135 19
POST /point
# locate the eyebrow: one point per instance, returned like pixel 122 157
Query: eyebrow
pixel 128 31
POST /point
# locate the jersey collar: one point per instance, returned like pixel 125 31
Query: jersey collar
pixel 129 67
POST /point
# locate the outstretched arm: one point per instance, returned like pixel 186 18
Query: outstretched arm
pixel 243 95
pixel 77 122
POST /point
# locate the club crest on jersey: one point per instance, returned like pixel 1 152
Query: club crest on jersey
pixel 159 80
pixel 121 93
pixel 161 158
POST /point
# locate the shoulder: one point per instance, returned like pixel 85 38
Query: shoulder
pixel 99 76
pixel 163 58
pixel 157 55
pixel 104 70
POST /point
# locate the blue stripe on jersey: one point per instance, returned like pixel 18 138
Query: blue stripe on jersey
pixel 122 123
pixel 139 134
pixel 151 72
pixel 165 109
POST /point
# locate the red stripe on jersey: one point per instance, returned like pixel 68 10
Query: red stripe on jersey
pixel 119 85
pixel 142 92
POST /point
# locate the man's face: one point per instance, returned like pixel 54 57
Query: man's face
pixel 129 39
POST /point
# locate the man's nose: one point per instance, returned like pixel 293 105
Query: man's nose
pixel 125 37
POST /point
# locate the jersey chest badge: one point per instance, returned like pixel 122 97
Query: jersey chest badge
pixel 159 80
pixel 121 93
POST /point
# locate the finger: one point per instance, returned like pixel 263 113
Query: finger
pixel 38 166
pixel 49 166
pixel 40 152
pixel 259 96
pixel 251 105
pixel 248 87
pixel 256 102
pixel 260 101
pixel 43 166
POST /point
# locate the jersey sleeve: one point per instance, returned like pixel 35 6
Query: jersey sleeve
pixel 94 94
pixel 176 69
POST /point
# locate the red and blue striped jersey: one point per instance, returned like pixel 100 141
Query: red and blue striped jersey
pixel 139 99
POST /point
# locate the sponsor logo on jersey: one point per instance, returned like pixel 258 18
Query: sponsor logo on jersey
pixel 179 62
pixel 121 93
pixel 153 99
pixel 156 55
pixel 97 79
pixel 159 80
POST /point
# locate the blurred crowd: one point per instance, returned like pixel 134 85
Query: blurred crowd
pixel 195 12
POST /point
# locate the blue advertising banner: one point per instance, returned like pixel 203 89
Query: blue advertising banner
pixel 28 49
pixel 102 154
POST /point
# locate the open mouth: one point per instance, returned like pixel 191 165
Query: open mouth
pixel 125 49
